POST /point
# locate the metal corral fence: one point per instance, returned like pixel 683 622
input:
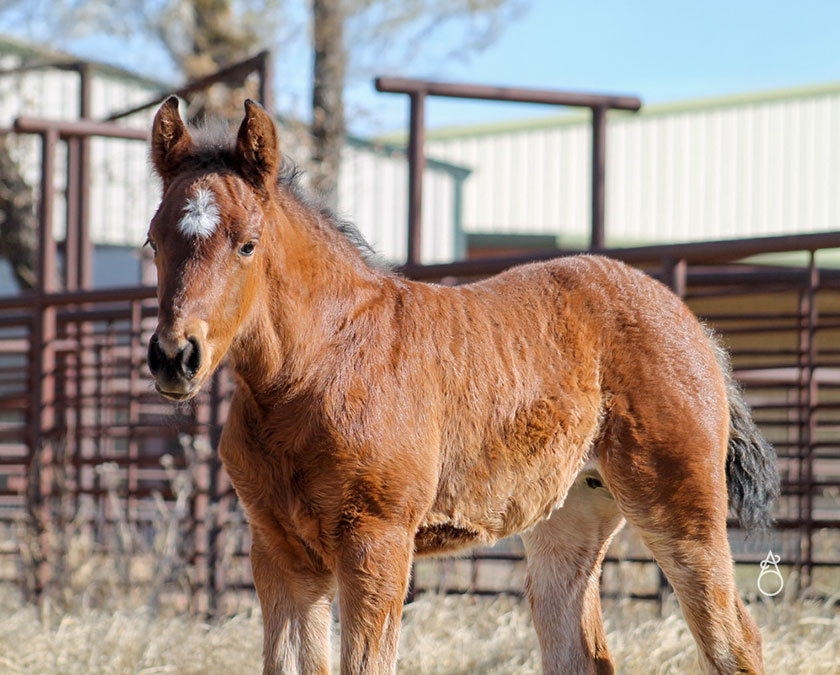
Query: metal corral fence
pixel 87 447
pixel 89 452
pixel 90 457
pixel 83 434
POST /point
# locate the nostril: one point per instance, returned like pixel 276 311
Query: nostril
pixel 155 357
pixel 190 358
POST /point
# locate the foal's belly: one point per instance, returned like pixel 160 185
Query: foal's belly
pixel 469 524
pixel 474 520
pixel 517 474
pixel 444 538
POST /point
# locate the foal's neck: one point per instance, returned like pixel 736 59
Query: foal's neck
pixel 316 282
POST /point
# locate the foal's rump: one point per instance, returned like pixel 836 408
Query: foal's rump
pixel 676 447
pixel 669 394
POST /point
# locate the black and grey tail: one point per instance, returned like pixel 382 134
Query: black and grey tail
pixel 752 477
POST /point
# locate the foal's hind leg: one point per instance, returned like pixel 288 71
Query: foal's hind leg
pixel 675 494
pixel 565 554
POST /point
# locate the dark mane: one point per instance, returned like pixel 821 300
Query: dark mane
pixel 214 148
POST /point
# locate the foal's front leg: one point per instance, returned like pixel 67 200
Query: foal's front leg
pixel 295 603
pixel 372 576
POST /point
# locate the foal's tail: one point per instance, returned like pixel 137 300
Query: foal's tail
pixel 752 477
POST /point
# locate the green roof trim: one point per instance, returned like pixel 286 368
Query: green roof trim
pixel 382 149
pixel 578 117
pixel 52 57
pixel 388 149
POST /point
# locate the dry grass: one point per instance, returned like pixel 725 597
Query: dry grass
pixel 441 635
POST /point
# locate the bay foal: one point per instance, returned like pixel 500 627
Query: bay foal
pixel 376 419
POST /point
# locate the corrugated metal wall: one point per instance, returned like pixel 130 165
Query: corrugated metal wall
pixel 754 168
pixel 373 193
pixel 123 196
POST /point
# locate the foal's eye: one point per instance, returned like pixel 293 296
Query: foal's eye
pixel 152 245
pixel 247 248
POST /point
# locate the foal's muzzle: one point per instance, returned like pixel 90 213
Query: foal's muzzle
pixel 174 368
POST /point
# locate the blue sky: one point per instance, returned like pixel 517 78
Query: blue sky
pixel 658 50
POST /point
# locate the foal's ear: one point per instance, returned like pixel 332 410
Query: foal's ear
pixel 256 146
pixel 171 142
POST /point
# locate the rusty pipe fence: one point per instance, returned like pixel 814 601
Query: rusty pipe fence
pixel 88 449
pixel 81 428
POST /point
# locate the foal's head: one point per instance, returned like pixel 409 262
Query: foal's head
pixel 206 236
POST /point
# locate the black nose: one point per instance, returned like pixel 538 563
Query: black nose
pixel 182 366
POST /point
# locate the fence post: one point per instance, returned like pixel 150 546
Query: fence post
pixel 135 364
pixel 84 243
pixel 674 275
pixel 809 387
pixel 416 166
pixel 599 163
pixel 42 361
